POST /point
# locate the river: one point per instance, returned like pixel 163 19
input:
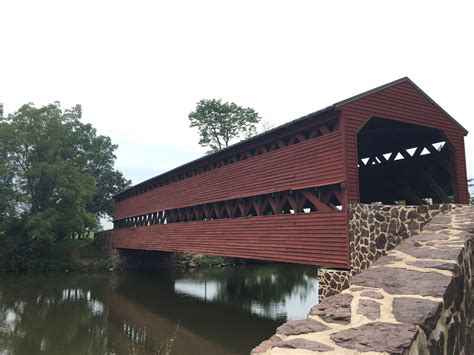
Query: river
pixel 207 311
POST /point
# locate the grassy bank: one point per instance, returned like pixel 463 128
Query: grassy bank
pixel 71 255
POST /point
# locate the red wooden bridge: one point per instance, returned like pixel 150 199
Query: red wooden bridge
pixel 283 195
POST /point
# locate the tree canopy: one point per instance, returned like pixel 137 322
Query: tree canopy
pixel 57 174
pixel 220 123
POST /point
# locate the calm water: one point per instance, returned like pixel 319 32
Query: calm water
pixel 212 311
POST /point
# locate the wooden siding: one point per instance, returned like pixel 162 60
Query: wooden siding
pixel 318 238
pixel 308 127
pixel 309 238
pixel 311 163
pixel 401 102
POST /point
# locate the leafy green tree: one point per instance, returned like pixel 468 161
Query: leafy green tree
pixel 7 194
pixel 219 123
pixel 59 173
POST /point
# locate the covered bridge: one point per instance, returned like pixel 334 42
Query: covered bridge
pixel 283 195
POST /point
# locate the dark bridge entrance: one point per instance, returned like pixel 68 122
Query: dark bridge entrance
pixel 404 163
pixel 283 195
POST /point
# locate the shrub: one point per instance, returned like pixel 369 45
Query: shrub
pixel 17 252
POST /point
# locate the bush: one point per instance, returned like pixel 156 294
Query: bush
pixel 99 265
pixel 211 260
pixel 21 253
pixel 17 252
pixel 52 265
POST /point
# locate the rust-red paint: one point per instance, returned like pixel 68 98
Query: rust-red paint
pixel 315 162
pixel 402 102
pixel 313 238
pixel 319 238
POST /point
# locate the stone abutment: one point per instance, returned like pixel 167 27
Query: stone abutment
pixel 128 258
pixel 375 229
pixel 415 299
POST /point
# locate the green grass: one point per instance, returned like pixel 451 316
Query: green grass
pixel 62 249
pixel 59 257
pixel 90 251
pixel 40 265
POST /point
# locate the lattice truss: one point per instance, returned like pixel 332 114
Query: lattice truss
pixel 309 200
pixel 285 141
pixel 401 162
pixel 419 175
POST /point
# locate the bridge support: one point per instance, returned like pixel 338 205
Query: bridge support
pixel 416 301
pixel 128 259
pixel 375 229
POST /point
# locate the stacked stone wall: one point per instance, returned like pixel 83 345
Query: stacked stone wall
pixel 375 229
pixel 103 240
pixel 129 258
pixel 414 300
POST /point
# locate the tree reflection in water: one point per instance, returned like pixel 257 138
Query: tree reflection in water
pixel 266 290
pixel 138 312
pixel 54 314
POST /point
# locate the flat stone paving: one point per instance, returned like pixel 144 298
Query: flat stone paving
pixel 471 334
pixel 392 304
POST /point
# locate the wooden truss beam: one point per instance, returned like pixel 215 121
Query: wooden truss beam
pixel 297 201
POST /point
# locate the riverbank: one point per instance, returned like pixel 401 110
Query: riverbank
pixel 191 261
pixel 86 256
pixel 131 259
pixel 71 255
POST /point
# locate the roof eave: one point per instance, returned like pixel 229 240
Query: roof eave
pixel 393 83
pixel 335 106
pixel 227 149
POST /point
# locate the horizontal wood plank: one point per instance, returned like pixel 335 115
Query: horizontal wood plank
pixel 319 238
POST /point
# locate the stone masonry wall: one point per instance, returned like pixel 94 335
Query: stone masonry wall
pixel 128 258
pixel 103 240
pixel 414 300
pixel 373 230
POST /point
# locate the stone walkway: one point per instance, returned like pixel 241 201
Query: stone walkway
pixel 471 335
pixel 414 299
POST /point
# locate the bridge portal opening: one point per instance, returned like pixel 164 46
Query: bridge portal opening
pixel 402 163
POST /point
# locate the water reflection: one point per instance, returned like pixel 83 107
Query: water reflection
pixel 274 291
pixel 213 311
pixel 38 316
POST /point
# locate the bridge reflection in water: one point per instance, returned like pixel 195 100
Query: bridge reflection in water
pixel 215 311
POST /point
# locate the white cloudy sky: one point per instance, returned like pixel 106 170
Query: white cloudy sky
pixel 139 67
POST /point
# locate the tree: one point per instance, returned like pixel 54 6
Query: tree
pixel 59 173
pixel 7 194
pixel 266 126
pixel 220 123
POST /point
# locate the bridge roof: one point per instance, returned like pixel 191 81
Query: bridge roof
pixel 314 115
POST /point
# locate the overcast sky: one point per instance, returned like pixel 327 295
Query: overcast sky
pixel 139 67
